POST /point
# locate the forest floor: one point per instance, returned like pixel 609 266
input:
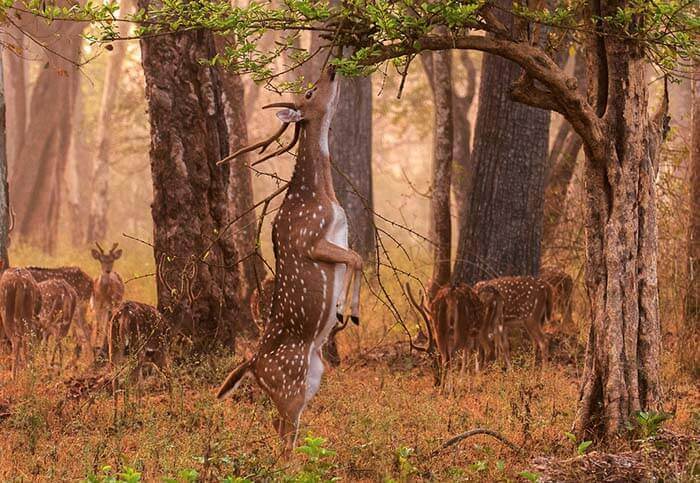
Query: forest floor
pixel 378 417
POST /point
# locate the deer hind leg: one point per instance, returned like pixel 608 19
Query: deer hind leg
pixel 287 424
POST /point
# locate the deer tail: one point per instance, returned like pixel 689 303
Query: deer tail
pixel 234 379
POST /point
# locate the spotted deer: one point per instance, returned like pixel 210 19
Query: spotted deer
pixel 19 308
pixel 58 304
pixel 316 273
pixel 108 292
pixel 526 300
pixel 562 290
pixel 81 282
pixel 138 330
pixel 461 320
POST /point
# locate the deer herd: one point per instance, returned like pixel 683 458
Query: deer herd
pixel 39 304
pixel 316 290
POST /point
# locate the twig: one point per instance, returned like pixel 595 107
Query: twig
pixel 474 432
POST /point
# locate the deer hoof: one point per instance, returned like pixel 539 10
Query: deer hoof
pixel 355 319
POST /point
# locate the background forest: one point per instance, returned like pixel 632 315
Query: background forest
pixel 84 136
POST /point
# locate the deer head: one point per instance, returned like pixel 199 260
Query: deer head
pixel 313 108
pixel 107 259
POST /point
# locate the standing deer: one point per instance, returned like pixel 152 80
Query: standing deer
pixel 138 330
pixel 526 300
pixel 58 303
pixel 562 290
pixel 81 282
pixel 108 292
pixel 19 307
pixel 316 273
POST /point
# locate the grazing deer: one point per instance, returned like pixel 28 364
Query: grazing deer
pixel 316 272
pixel 81 282
pixel 58 303
pixel 562 290
pixel 108 292
pixel 138 330
pixel 460 319
pixel 526 300
pixel 19 307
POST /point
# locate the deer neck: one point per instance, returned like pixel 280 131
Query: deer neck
pixel 312 173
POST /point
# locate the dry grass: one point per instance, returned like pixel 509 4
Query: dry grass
pixel 379 412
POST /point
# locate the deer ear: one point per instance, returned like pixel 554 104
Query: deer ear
pixel 95 254
pixel 117 254
pixel 289 115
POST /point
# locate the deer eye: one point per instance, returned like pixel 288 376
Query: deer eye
pixel 309 93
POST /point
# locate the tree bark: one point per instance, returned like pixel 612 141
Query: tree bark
pixel 37 186
pixel 462 166
pixel 439 70
pixel 240 193
pixel 621 373
pixel 501 233
pixel 690 354
pixel 4 196
pixel 351 153
pixel 198 283
pixel 99 204
pixel 15 70
pixel 77 180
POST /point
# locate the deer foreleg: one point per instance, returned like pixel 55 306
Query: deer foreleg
pixel 342 301
pixel 325 251
pixel 355 303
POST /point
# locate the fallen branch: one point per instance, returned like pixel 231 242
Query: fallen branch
pixel 474 432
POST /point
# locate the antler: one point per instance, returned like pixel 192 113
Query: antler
pixel 114 247
pixel 423 311
pixel 265 143
pixel 100 248
pixel 295 138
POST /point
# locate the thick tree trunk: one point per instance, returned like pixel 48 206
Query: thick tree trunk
pixel 439 70
pixel 689 351
pixel 37 186
pixel 501 233
pixel 99 204
pixel 4 196
pixel 351 154
pixel 198 282
pixel 621 373
pixel 252 269
pixel 462 166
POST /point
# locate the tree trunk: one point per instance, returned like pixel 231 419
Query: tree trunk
pixel 438 67
pixel 462 166
pixel 689 351
pixel 99 204
pixel 4 196
pixel 252 269
pixel 501 233
pixel 562 163
pixel 351 154
pixel 15 70
pixel 621 373
pixel 77 178
pixel 198 282
pixel 37 187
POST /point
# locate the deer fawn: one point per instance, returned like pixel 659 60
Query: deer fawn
pixel 140 331
pixel 562 290
pixel 58 303
pixel 19 306
pixel 108 292
pixel 316 272
pixel 527 300
pixel 81 282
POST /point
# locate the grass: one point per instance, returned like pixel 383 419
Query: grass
pixel 377 417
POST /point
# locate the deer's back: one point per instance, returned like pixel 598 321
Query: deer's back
pixel 522 295
pixel 76 278
pixel 58 302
